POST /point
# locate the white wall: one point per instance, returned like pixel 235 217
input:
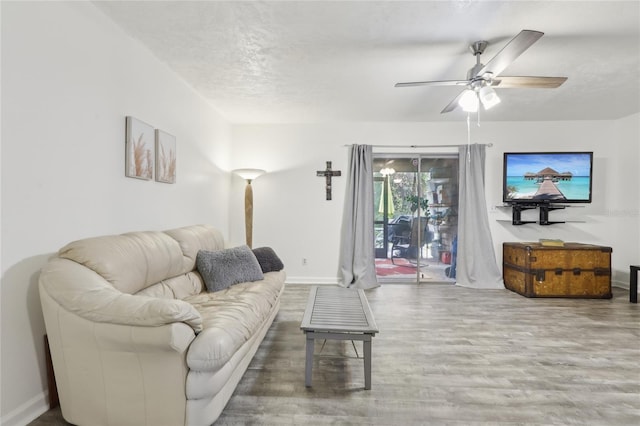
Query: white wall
pixel 69 78
pixel 292 216
pixel 627 217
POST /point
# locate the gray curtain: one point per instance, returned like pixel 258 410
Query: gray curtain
pixel 477 266
pixel 357 252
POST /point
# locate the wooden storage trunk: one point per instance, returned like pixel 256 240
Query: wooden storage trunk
pixel 573 270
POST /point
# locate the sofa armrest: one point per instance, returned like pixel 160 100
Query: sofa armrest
pixel 117 374
pixel 88 295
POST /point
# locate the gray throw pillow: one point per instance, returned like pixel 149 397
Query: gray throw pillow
pixel 223 268
pixel 268 259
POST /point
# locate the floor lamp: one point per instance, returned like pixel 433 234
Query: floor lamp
pixel 248 175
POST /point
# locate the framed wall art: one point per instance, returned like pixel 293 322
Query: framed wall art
pixel 165 157
pixel 139 149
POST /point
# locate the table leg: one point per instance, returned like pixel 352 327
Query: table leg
pixel 633 284
pixel 309 359
pixel 367 362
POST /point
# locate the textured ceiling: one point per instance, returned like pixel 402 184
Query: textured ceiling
pixel 323 61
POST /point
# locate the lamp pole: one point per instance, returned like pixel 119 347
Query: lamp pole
pixel 248 175
pixel 248 213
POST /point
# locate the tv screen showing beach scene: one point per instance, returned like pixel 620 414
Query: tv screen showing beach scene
pixel 547 177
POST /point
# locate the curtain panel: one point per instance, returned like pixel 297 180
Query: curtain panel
pixel 477 266
pixel 357 251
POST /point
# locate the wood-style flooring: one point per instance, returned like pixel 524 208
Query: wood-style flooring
pixel 447 355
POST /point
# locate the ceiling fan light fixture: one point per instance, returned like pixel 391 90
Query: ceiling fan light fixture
pixel 481 76
pixel 488 97
pixel 469 101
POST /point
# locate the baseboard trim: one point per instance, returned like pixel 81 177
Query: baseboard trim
pixel 312 280
pixel 335 281
pixel 620 284
pixel 27 412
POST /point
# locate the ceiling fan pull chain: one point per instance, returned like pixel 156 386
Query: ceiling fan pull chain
pixel 468 132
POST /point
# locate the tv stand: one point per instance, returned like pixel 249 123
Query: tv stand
pixel 544 213
pixel 545 208
pixel 516 213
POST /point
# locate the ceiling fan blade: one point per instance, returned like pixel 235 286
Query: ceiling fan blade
pixel 434 83
pixel 453 104
pixel 511 51
pixel 504 82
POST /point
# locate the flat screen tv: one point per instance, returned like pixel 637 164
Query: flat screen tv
pixel 547 177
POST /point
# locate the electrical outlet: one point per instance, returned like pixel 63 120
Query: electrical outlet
pixel 304 261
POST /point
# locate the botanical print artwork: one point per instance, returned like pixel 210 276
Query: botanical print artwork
pixel 139 146
pixel 165 157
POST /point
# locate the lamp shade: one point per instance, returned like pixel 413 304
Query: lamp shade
pixel 469 101
pixel 249 174
pixel 488 97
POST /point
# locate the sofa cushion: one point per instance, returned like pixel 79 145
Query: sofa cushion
pixel 193 239
pixel 223 268
pixel 230 317
pixel 130 262
pixel 175 288
pixel 268 259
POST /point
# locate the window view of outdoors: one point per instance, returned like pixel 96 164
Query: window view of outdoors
pixel 416 220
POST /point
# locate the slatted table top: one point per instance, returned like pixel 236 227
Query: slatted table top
pixel 337 309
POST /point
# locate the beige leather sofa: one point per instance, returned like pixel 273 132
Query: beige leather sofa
pixel 135 337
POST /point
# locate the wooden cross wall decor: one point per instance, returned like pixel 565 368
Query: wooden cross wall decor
pixel 328 174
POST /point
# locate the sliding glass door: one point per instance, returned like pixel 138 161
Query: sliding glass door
pixel 415 208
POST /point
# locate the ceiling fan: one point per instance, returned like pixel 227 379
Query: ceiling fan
pixel 481 79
